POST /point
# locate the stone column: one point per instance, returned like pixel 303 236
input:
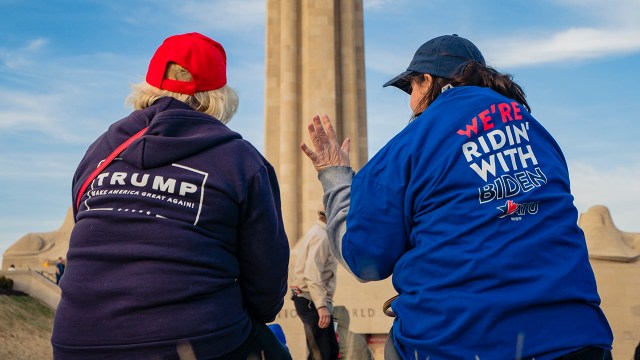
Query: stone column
pixel 314 65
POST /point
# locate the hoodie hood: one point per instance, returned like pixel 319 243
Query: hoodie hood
pixel 175 131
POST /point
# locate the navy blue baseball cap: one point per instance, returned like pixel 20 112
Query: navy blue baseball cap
pixel 442 56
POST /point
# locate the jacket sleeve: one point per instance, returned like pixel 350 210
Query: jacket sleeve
pixel 319 252
pixel 365 223
pixel 263 248
pixel 336 182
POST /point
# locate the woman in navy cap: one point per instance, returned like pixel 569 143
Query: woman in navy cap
pixel 478 226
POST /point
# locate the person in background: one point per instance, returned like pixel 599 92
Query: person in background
pixel 312 289
pixel 178 245
pixel 59 269
pixel 470 208
pixel 353 346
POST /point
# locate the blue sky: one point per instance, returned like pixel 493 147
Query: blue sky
pixel 66 67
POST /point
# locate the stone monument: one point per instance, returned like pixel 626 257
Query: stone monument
pixel 314 65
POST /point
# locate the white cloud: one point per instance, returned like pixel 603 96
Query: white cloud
pixel 595 29
pixel 30 111
pixel 375 4
pixel 61 114
pixel 21 57
pixel 618 13
pixel 58 97
pixel 171 17
pixel 23 167
pixel 567 45
pixel 223 14
pixel 36 44
pixel 613 29
pixel 616 188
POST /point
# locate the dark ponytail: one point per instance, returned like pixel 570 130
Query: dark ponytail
pixel 473 74
pixel 476 74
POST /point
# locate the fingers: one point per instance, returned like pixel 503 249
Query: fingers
pixel 324 322
pixel 310 153
pixel 323 129
pixel 317 126
pixel 328 128
pixel 313 134
pixel 326 150
pixel 319 133
pixel 346 145
pixel 324 317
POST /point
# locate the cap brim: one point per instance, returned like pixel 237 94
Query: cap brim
pixel 401 81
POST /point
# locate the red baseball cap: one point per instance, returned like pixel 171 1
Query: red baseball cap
pixel 203 57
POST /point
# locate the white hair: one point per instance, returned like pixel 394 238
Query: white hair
pixel 221 103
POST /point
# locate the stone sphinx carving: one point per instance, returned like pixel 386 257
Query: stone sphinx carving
pixel 39 251
pixel 615 259
pixel 604 240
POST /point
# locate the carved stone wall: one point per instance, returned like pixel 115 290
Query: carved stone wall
pixel 615 259
pixel 39 251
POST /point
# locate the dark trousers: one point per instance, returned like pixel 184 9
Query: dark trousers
pixel 588 353
pixel 262 344
pixel 321 343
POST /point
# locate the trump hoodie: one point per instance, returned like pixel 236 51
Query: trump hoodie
pixel 179 241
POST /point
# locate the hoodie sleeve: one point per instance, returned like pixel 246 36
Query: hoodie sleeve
pixel 369 243
pixel 263 251
pixel 336 182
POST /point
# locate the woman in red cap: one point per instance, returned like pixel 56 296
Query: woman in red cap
pixel 179 249
pixel 478 229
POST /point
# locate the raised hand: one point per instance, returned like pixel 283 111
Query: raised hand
pixel 326 151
